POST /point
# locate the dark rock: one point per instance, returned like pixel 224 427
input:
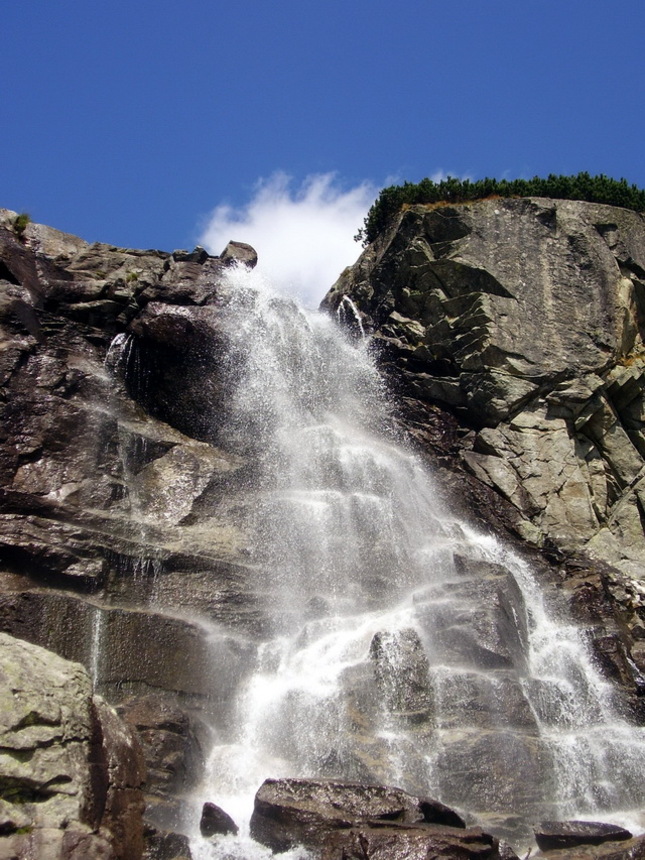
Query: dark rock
pixel 288 812
pixel 215 821
pixel 165 845
pixel 239 252
pixel 401 670
pixel 167 738
pixel 553 835
pixel 408 843
pixel 125 771
pixel 197 255
pixel 136 646
pixel 631 849
pixel 435 812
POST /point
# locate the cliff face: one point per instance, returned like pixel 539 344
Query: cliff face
pixel 522 321
pixel 118 509
pixel 513 333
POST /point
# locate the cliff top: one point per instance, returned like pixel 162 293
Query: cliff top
pixel 582 186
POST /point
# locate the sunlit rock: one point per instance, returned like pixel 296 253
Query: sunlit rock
pixel 523 317
pixel 70 772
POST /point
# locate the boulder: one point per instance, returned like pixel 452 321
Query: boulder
pixel 553 835
pixel 239 252
pixel 630 849
pixel 290 812
pixel 70 771
pixel 215 821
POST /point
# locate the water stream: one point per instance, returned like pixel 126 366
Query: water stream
pixel 401 646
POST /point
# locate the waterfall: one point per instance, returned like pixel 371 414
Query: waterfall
pixel 400 645
pixel 96 645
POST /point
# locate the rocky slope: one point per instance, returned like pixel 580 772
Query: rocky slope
pixel 525 319
pixel 513 333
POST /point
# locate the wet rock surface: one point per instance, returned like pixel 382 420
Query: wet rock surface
pixel 553 835
pixel 289 812
pixel 401 670
pixel 215 821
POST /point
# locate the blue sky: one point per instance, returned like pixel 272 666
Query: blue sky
pixel 132 122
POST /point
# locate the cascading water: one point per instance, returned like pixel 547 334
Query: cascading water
pixel 398 645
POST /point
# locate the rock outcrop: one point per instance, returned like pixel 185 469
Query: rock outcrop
pixel 525 320
pixel 71 774
pixel 290 812
pixel 121 531
pixel 512 331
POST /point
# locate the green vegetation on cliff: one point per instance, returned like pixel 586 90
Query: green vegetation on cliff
pixel 593 189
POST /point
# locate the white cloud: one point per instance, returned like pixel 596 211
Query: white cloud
pixel 304 237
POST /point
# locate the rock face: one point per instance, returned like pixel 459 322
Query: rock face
pixel 525 320
pixel 70 772
pixel 118 509
pixel 513 333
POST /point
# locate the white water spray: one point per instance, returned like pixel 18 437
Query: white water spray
pixel 402 646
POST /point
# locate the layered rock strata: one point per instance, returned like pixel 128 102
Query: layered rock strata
pixel 121 533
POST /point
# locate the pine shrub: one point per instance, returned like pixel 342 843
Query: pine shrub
pixel 583 186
